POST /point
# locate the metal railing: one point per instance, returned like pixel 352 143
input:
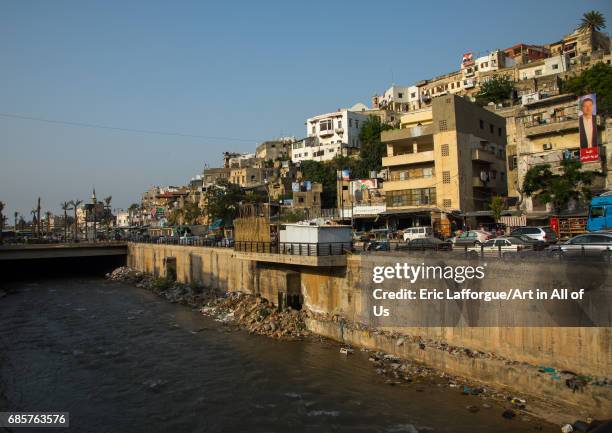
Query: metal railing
pixel 294 248
pixel 224 243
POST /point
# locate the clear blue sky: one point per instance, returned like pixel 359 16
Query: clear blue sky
pixel 239 71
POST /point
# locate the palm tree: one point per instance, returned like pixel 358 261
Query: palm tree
pixel 66 207
pixel 1 220
pixel 593 21
pixel 131 211
pixel 75 205
pixel 16 215
pixel 34 221
pixel 107 205
pixel 48 222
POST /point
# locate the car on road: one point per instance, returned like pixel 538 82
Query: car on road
pixel 542 233
pixel 589 245
pixel 417 233
pixel 536 244
pixel 472 237
pixel 426 244
pixel 501 247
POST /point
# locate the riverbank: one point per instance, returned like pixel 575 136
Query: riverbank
pixel 396 364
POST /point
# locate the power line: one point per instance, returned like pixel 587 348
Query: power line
pixel 115 128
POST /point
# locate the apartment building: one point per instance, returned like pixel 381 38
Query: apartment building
pixel 330 135
pixel 274 149
pixel 307 198
pixel 398 98
pixel 544 131
pixel 249 177
pixel 552 65
pixel 443 160
pixel 238 160
pixel 526 53
pixel 212 175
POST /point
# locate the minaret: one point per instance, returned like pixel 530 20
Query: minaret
pixel 93 197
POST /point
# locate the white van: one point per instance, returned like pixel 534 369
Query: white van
pixel 417 233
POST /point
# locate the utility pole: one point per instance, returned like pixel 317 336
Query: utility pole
pixel 38 228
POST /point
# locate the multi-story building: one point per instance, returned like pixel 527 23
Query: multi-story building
pixel 544 131
pixel 212 175
pixel 122 219
pixel 525 53
pixel 274 149
pixel 238 160
pixel 307 198
pixel 552 65
pixel 329 135
pixel 249 177
pixel 443 159
pixel 494 61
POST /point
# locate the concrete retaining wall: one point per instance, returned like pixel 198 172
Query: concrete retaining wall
pixel 343 291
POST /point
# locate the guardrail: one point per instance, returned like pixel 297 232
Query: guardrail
pixel 295 248
pixel 186 242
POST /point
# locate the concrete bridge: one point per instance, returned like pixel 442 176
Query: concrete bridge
pixel 53 251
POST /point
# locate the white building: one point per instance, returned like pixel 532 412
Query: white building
pixel 122 218
pixel 494 61
pixel 329 135
pixel 544 67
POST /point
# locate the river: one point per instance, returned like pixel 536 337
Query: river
pixel 120 359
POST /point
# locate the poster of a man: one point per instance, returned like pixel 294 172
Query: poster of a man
pixel 587 121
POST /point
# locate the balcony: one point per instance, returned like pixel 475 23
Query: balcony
pixel 408 158
pixel 485 156
pixel 552 126
pixel 326 132
pixel 405 133
pixel 478 183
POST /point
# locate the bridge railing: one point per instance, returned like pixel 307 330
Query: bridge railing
pixel 295 248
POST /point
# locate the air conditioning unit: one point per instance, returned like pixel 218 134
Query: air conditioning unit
pixel 547 146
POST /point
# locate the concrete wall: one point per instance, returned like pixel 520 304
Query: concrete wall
pixel 341 290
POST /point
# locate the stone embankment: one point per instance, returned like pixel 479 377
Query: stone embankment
pixel 253 313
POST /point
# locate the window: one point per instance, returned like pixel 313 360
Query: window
pixel 442 125
pixel 300 199
pixel 413 95
pixel 356 123
pixel 411 197
pixel 446 177
pixel 481 124
pixel 350 123
pixel 326 125
pixel 400 95
pixel 499 132
pixel 314 129
pixel 597 211
pixel 491 129
pixel 446 202
pixel 445 150
pixel 555 66
pixel 340 123
pixel 538 72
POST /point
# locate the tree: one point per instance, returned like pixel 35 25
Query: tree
pixel 48 215
pixel 65 207
pixel 131 211
pixel 107 211
pixel 75 205
pixel 593 21
pixel 497 206
pixel 1 220
pixel 223 199
pixel 496 90
pixel 191 212
pixel 559 189
pixel 16 216
pixel 372 149
pixel 597 79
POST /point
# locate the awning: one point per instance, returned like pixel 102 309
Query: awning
pixel 400 212
pixel 488 213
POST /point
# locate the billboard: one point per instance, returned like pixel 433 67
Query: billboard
pixel 587 126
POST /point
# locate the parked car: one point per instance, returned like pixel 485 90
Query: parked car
pixel 536 244
pixel 504 246
pixel 591 245
pixel 429 243
pixel 472 237
pixel 543 233
pixel 378 246
pixel 417 233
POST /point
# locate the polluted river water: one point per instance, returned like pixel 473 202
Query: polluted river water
pixel 121 359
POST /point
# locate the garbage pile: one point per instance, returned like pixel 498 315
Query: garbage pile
pixel 258 316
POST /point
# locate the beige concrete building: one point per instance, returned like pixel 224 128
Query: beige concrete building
pixel 274 149
pixel 449 158
pixel 307 198
pixel 544 131
pixel 248 177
